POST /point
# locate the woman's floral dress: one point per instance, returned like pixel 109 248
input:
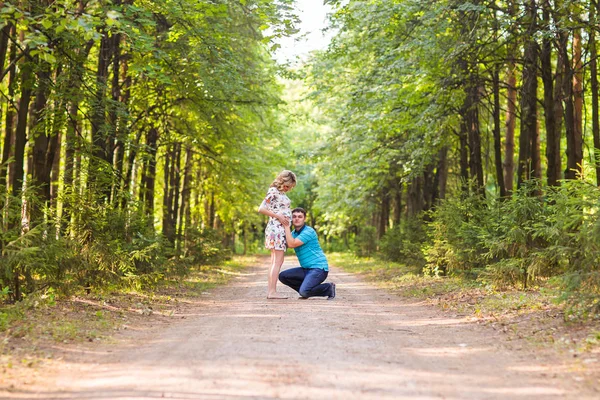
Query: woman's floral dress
pixel 278 203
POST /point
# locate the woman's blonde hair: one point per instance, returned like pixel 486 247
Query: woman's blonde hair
pixel 285 177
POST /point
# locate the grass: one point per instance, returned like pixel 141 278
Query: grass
pixel 458 292
pixel 403 279
pixel 45 318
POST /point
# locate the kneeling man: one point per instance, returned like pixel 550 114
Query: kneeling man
pixel 308 279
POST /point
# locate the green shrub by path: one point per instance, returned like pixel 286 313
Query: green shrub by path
pixel 457 292
pixel 405 243
pixel 524 240
pixel 102 246
pixel 205 247
pixel 539 237
pixel 366 241
pixel 372 268
pixel 44 316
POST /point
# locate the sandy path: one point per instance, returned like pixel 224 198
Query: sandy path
pixel 366 344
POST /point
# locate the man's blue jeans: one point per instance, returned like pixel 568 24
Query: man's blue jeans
pixel 306 281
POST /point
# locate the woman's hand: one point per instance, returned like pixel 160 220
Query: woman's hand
pixel 283 219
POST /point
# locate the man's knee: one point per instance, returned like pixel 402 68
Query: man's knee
pixel 283 278
pixel 303 292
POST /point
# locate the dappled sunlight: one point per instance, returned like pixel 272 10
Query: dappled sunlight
pixel 434 321
pixel 254 316
pixel 527 391
pixel 239 377
pixel 224 271
pixel 365 344
pixel 443 352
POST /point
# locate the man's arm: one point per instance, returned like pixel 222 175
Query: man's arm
pixel 263 210
pixel 291 242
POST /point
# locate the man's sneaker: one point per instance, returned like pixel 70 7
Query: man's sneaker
pixel 332 295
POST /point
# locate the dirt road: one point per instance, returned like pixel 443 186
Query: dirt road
pixel 366 344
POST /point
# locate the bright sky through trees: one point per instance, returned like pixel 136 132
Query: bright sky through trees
pixel 313 17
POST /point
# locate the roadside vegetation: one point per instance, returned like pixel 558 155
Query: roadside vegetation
pixel 536 314
pixel 32 328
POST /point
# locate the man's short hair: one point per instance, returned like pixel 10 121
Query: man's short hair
pixel 300 210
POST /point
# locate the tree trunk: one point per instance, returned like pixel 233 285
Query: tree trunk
pixel 594 83
pixel 121 134
pixel 113 140
pixel 171 191
pixel 576 162
pixel 53 151
pixel 414 201
pixel 197 218
pixel 184 210
pixel 40 171
pixel 72 135
pixel 100 163
pixel 510 124
pixel 398 203
pixel 536 159
pixel 166 208
pixel 129 168
pixel 569 108
pixel 578 100
pixel 475 163
pixel 27 83
pixel 5 33
pixel 464 156
pixel 511 106
pixel 552 116
pixel 442 173
pixel 429 187
pixel 10 114
pixel 211 211
pixel 528 101
pixel 99 104
pixel 53 159
pixel 497 138
pixel 176 188
pixel 384 214
pixel 150 172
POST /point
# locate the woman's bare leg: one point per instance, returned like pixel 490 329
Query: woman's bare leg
pixel 270 268
pixel 270 284
pixel 277 262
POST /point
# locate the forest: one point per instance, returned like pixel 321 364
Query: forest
pixel 458 137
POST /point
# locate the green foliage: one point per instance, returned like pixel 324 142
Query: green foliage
pixel 205 247
pixel 366 241
pixel 405 243
pixel 104 245
pixel 457 228
pixel 491 239
pixel 525 239
pixel 572 231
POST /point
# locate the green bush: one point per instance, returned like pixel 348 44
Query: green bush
pixel 405 243
pixel 366 241
pixel 573 234
pixel 100 244
pixel 514 247
pixel 525 239
pixel 458 230
pixel 204 247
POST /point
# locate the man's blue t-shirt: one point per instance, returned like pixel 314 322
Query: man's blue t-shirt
pixel 310 253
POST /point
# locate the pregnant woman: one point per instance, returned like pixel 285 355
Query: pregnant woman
pixel 277 207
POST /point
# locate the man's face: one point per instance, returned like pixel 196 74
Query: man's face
pixel 298 219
